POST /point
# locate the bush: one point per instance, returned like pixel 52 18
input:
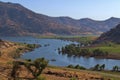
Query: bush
pixel 39 65
pixel 76 67
pixel 98 52
pixel 34 67
pixel 84 52
pixel 70 66
pixel 29 60
pixel 99 67
pixel 79 67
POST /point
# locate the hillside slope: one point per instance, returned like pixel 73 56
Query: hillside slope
pixel 16 20
pixel 112 35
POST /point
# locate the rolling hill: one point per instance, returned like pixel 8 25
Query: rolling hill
pixel 113 35
pixel 16 20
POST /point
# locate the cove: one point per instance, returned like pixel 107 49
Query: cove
pixel 49 51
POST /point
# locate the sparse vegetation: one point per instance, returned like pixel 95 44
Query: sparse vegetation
pixel 34 67
pixel 24 48
pixel 99 67
pixel 76 67
pixel 116 68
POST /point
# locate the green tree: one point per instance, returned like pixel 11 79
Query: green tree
pixel 77 67
pixel 85 52
pixel 70 66
pixel 102 67
pixel 97 67
pixel 35 67
pixel 39 65
pixel 115 68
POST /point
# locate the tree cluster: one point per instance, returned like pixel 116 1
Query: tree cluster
pixel 77 50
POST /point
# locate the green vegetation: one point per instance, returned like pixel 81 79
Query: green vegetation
pixel 39 65
pixel 24 48
pixel 77 50
pixel 82 39
pixel 103 50
pixel 87 48
pixel 107 46
pixel 99 67
pixel 34 67
pixel 116 68
pixel 32 46
pixel 76 67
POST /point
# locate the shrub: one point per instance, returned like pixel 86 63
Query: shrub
pixel 34 67
pixel 70 66
pixel 76 67
pixel 79 67
pixel 98 52
pixel 39 65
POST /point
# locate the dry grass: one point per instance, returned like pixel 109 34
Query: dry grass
pixel 67 74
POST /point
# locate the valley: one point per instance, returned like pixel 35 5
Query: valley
pixel 51 49
pixel 52 72
pixel 37 46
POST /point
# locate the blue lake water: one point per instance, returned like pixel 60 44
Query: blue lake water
pixel 51 52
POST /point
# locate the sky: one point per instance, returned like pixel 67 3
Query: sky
pixel 77 9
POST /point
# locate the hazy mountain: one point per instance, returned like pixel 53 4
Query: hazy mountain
pixel 17 20
pixel 112 35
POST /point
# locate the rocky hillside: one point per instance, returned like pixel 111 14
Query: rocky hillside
pixel 112 35
pixel 17 20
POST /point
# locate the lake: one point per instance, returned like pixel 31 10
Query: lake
pixel 50 52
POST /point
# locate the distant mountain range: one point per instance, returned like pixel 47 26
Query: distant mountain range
pixel 16 20
pixel 113 35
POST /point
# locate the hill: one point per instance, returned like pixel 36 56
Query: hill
pixel 113 35
pixel 16 20
pixel 5 44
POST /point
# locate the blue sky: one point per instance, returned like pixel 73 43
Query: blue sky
pixel 95 9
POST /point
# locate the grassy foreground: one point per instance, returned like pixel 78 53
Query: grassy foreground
pixel 83 74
